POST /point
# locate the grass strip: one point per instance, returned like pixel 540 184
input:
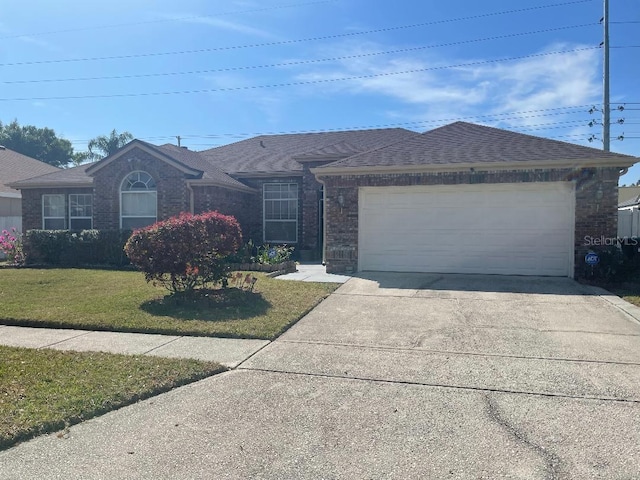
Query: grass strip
pixel 43 391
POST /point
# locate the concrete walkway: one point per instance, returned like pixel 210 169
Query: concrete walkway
pixel 313 273
pixel 227 351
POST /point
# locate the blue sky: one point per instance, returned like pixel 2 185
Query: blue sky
pixel 276 66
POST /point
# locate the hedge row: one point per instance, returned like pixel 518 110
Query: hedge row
pixel 70 249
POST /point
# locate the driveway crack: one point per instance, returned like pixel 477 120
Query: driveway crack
pixel 551 460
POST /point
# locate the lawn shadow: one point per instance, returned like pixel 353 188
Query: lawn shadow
pixel 209 305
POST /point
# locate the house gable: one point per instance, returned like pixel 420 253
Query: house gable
pixel 170 180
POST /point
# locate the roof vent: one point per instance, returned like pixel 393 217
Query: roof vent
pixel 2 147
pixel 186 148
pixel 262 144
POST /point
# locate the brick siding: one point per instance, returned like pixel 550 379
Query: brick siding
pixel 173 197
pixel 230 202
pixel 32 204
pixel 592 219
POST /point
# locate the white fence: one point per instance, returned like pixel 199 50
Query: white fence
pixel 629 223
pixel 7 223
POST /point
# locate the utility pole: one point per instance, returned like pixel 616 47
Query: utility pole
pixel 179 138
pixel 606 110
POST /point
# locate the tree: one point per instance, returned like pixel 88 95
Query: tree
pixel 103 146
pixel 40 143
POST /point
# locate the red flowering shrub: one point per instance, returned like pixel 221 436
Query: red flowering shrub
pixel 187 251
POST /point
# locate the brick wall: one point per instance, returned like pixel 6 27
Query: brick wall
pixel 241 205
pixel 173 197
pixel 341 248
pixel 32 204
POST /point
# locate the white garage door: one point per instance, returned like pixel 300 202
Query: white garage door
pixel 510 229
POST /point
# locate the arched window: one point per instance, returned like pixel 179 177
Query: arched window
pixel 138 201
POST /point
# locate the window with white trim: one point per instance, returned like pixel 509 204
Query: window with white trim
pixel 80 211
pixel 280 207
pixel 53 212
pixel 138 201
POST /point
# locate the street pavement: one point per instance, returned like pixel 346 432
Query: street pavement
pixel 393 376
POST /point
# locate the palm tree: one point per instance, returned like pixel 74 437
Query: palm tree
pixel 104 146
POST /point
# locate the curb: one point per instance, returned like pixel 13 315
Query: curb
pixel 630 310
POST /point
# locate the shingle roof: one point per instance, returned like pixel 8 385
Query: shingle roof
pixel 75 176
pixel 630 203
pixel 468 143
pixel 197 161
pixel 78 176
pixel 277 153
pixel 15 167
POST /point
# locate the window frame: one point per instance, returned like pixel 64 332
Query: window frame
pixel 265 220
pixel 63 217
pixel 147 191
pixel 81 217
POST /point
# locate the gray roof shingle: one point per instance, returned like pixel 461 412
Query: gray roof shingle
pixel 15 167
pixel 277 153
pixel 468 143
pixel 630 203
pixel 75 176
pixel 196 160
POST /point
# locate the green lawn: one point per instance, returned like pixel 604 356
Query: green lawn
pixel 123 301
pixel 46 390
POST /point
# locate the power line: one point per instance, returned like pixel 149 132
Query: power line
pixel 289 42
pixel 290 84
pixel 165 20
pixel 515 115
pixel 300 62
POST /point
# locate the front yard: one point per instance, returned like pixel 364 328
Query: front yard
pixel 123 301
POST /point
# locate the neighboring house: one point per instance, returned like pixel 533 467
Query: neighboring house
pixel 15 167
pixel 462 198
pixel 628 193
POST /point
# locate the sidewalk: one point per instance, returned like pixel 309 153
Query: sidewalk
pixel 227 351
pixel 313 273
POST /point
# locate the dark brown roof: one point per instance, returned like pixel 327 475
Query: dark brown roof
pixel 15 167
pixel 276 153
pixel 195 160
pixel 468 143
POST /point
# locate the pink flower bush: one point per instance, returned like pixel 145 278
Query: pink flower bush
pixel 11 246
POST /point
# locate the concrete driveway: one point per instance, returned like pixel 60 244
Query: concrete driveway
pixel 393 376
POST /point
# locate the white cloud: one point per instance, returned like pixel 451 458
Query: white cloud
pixel 221 24
pixel 537 82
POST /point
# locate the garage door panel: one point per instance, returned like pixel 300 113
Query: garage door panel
pixel 507 228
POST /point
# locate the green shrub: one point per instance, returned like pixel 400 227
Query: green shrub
pixel 187 251
pixel 617 264
pixel 271 255
pixel 65 248
pixel 244 254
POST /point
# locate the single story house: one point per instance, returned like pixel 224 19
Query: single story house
pixel 462 198
pixel 15 167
